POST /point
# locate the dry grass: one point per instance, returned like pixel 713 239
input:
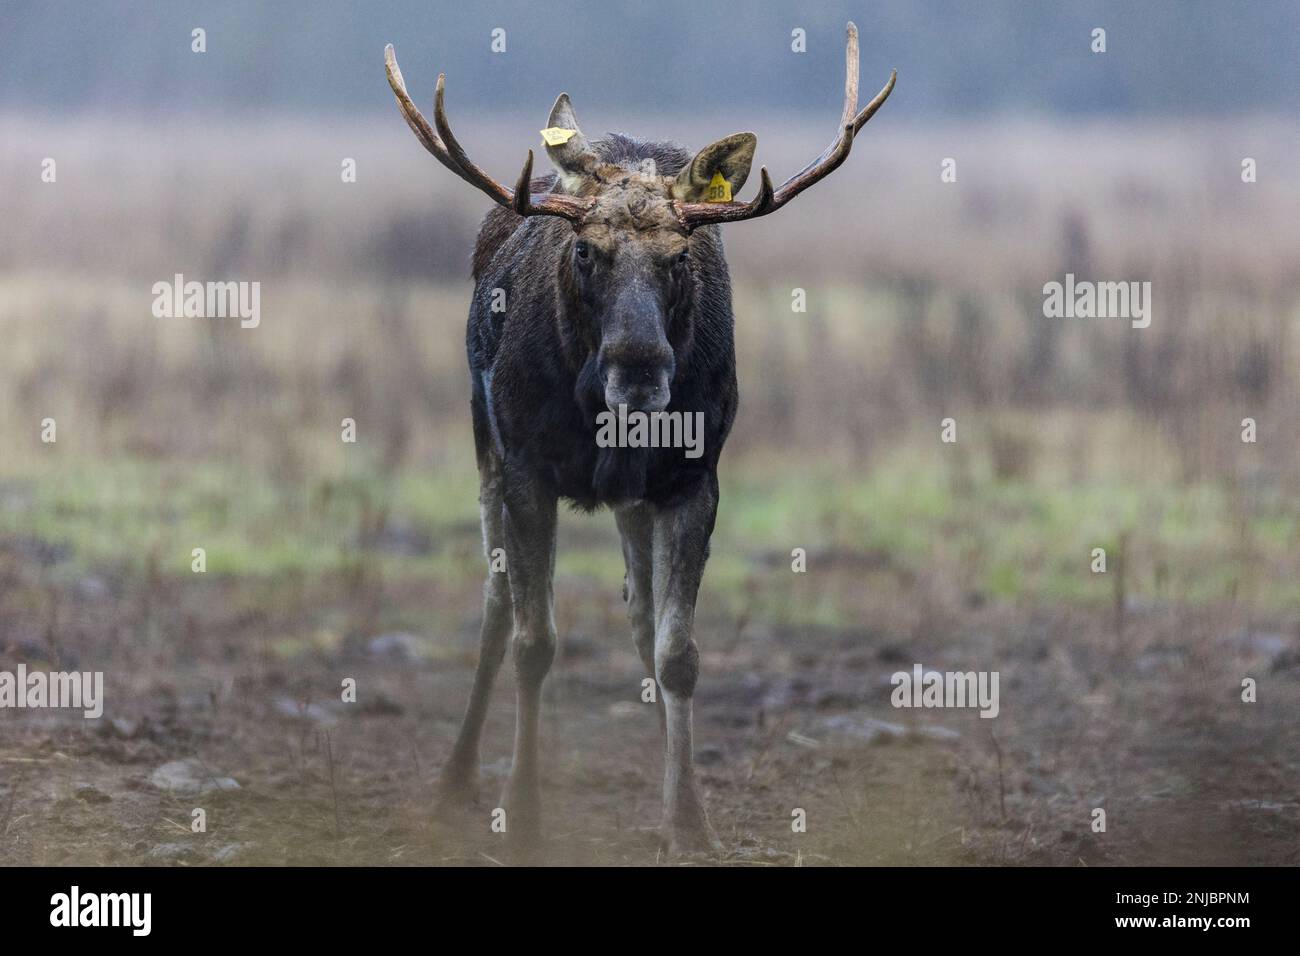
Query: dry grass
pixel 924 298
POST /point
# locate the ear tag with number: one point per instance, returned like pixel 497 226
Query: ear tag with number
pixel 557 135
pixel 719 189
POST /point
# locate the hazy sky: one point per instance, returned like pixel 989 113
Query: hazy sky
pixel 954 57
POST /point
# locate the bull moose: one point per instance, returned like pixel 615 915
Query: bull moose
pixel 618 299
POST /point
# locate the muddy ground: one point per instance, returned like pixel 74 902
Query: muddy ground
pixel 1138 717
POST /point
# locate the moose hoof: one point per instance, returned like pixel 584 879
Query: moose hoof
pixel 523 818
pixel 689 839
pixel 458 789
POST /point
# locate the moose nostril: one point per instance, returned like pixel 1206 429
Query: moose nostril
pixel 636 364
pixel 639 375
pixel 636 398
pixel 639 387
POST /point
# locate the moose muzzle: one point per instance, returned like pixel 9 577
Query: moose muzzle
pixel 635 361
pixel 641 388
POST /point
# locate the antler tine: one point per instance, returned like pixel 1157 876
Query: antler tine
pixel 522 197
pixel 448 151
pixel 544 204
pixel 694 214
pixel 850 75
pixel 767 201
pixel 414 118
pixel 766 197
pixel 876 103
pixel 475 175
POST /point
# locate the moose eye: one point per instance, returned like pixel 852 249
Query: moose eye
pixel 582 250
pixel 683 255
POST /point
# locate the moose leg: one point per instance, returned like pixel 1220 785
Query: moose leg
pixel 530 557
pixel 459 782
pixel 636 528
pixel 681 546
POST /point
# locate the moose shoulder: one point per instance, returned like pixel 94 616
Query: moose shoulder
pixel 603 290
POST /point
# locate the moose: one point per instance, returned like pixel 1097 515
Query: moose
pixel 617 299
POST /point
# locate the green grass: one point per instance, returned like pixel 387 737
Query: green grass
pixel 1012 540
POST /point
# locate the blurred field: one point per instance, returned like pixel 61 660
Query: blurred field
pixel 924 301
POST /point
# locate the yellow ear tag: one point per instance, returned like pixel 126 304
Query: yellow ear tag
pixel 719 189
pixel 557 136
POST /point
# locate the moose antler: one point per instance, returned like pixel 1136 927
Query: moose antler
pixel 693 214
pixel 448 151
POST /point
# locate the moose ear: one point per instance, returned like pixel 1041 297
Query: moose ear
pixel 730 156
pixel 569 150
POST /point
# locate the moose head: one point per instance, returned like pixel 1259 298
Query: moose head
pixel 628 262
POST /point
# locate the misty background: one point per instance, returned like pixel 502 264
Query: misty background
pixel 1189 58
pixel 924 303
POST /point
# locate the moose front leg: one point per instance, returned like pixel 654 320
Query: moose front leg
pixel 681 546
pixel 530 565
pixel 636 525
pixel 459 784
